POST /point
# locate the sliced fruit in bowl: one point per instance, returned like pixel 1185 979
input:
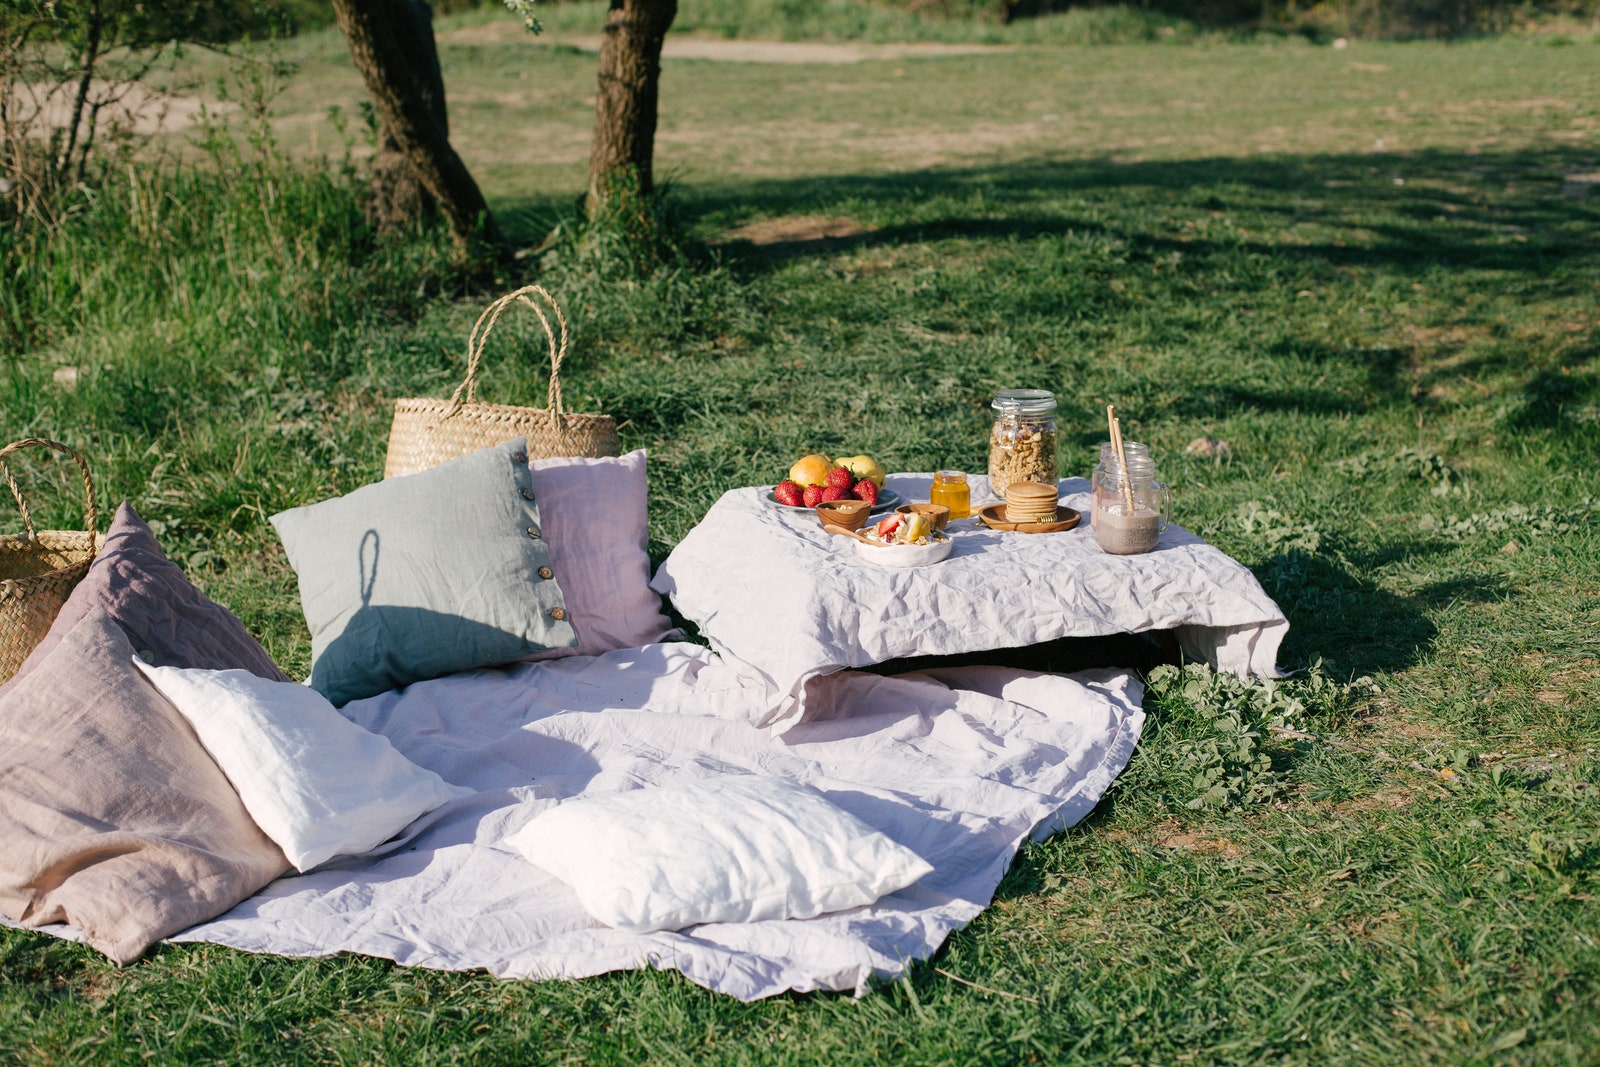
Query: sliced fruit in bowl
pixel 902 528
pixel 935 547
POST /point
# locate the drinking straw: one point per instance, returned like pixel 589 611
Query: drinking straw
pixel 1122 459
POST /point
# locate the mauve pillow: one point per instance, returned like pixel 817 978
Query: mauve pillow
pixel 168 620
pixel 113 818
pixel 595 520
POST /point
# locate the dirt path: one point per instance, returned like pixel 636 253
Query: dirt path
pixel 144 111
pixel 715 48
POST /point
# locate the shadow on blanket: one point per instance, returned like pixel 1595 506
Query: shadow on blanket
pixel 376 651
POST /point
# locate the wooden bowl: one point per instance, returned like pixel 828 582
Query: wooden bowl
pixel 844 514
pixel 938 515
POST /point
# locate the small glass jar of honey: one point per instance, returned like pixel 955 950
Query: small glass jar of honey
pixel 950 489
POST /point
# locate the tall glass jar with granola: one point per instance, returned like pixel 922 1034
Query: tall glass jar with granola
pixel 1022 445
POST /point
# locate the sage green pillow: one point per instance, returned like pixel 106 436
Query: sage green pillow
pixel 425 575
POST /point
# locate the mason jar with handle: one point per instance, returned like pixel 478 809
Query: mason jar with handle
pixel 1130 512
pixel 1108 456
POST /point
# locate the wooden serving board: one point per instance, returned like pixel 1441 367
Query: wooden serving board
pixel 994 517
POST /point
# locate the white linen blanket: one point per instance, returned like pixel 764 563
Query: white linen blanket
pixel 786 602
pixel 961 766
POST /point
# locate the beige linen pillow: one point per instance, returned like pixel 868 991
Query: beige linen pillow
pixel 113 818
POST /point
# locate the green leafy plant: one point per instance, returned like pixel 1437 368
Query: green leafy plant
pixel 1224 736
pixel 1276 531
pixel 1408 464
pixel 527 11
pixel 1531 519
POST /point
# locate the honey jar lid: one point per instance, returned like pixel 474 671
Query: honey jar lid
pixel 1031 492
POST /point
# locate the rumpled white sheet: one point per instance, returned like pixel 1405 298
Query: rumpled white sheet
pixel 786 602
pixel 961 766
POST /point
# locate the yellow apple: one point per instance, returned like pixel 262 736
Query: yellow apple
pixel 863 467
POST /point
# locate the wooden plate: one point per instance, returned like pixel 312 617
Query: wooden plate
pixel 994 517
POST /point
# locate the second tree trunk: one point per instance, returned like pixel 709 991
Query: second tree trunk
pixel 625 105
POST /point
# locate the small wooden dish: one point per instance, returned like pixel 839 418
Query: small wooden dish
pixel 938 515
pixel 994 517
pixel 845 515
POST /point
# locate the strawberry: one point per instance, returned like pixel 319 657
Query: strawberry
pixel 789 493
pixel 834 492
pixel 866 489
pixel 812 495
pixel 841 478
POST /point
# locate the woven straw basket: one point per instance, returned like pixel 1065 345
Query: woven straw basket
pixel 428 432
pixel 38 569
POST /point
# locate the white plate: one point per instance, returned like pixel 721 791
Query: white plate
pixel 937 548
pixel 887 498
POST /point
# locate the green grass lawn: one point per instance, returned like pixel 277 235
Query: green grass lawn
pixel 1371 271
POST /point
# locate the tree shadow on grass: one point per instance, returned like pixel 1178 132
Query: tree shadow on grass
pixel 1488 211
pixel 1192 232
pixel 1531 243
pixel 1495 211
pixel 1197 242
pixel 1551 399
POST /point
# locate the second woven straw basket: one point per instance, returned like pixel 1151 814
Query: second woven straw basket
pixel 39 568
pixel 427 432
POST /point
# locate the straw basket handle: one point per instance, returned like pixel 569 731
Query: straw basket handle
pixel 486 322
pixel 91 519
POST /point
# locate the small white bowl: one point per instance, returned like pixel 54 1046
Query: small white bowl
pixel 937 548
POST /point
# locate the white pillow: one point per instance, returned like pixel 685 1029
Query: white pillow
pixel 316 783
pixel 738 848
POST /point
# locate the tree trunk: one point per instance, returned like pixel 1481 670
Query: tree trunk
pixel 398 197
pixel 625 106
pixel 392 44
